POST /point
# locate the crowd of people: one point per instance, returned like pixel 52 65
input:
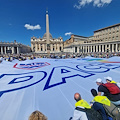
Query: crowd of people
pixel 30 56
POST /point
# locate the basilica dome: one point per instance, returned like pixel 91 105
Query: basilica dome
pixel 45 36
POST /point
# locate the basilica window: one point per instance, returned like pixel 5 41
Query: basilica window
pixel 60 48
pixel 116 37
pixel 41 48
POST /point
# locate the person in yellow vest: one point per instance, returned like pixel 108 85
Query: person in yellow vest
pixel 97 103
pixel 102 104
pixel 81 103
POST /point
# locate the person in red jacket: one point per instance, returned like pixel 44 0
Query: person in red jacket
pixel 114 98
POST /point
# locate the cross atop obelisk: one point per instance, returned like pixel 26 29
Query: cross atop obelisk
pixel 47 31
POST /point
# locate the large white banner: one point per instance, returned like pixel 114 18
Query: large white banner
pixel 48 85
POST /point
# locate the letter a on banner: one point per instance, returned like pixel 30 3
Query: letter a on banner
pixel 59 75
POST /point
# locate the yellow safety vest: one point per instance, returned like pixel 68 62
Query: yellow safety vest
pixel 102 100
pixel 112 81
pixel 82 103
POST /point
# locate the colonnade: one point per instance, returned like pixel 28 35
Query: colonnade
pixel 97 48
pixel 9 49
pixel 43 47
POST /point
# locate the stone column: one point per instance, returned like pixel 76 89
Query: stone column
pixel 44 46
pixel 93 48
pixel 112 47
pixel 5 49
pixel 99 48
pixel 51 47
pixel 1 49
pixel 39 47
pixel 96 48
pixel 86 49
pixel 102 48
pixel 80 49
pixel 55 47
pixel 116 47
pixel 12 50
pixel 17 50
pixel 106 48
pixel 77 49
pixel 83 49
pixel 36 49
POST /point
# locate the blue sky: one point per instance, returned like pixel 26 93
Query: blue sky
pixel 22 19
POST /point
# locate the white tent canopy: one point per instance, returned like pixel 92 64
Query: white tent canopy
pixel 48 85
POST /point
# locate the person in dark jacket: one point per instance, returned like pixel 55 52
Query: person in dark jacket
pixel 97 105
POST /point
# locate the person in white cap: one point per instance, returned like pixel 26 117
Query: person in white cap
pixel 114 98
pixel 109 80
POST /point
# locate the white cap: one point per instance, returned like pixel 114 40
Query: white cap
pixel 99 80
pixel 108 78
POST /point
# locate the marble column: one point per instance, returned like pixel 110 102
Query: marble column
pixel 36 49
pixel 96 48
pixel 12 50
pixel 39 47
pixel 1 49
pixel 116 47
pixel 93 48
pixel 86 49
pixel 17 50
pixel 112 47
pixel 77 49
pixel 5 49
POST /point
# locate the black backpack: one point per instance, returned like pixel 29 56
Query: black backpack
pixel 91 113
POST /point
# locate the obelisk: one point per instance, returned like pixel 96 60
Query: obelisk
pixel 47 32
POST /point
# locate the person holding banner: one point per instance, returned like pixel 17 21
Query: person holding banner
pixel 79 115
pixel 109 93
pixel 103 104
pixel 109 80
pixel 83 110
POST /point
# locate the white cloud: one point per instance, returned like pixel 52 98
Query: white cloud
pixel 98 3
pixel 31 27
pixel 68 33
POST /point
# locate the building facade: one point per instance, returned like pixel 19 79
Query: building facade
pixel 13 48
pixel 47 44
pixel 104 40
